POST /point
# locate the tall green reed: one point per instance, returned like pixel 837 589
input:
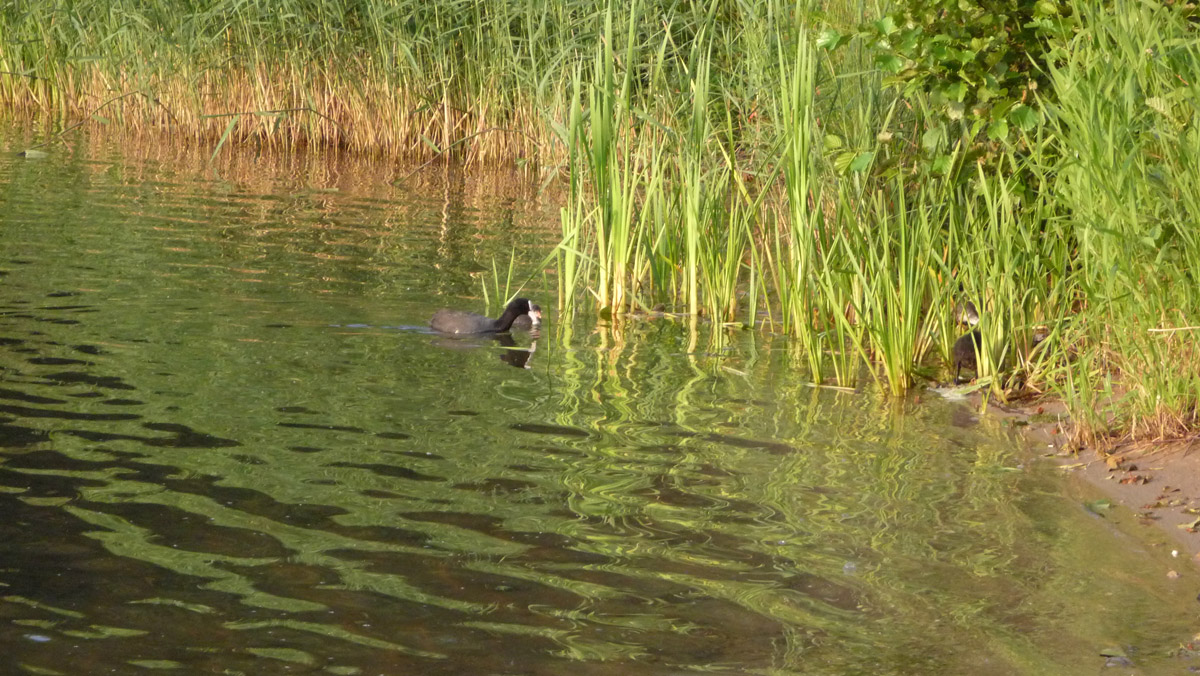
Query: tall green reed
pixel 895 259
pixel 624 173
pixel 793 256
pixel 573 263
pixel 695 191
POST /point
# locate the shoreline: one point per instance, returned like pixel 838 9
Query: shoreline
pixel 1158 484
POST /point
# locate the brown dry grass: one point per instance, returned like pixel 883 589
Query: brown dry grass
pixel 290 107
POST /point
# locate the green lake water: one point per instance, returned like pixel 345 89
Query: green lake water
pixel 229 445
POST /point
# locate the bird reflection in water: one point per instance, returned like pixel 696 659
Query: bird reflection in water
pixel 516 356
pixel 510 352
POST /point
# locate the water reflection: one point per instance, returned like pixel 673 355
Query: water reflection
pixel 510 352
pixel 219 453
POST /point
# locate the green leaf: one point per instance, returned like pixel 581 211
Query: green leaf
pixel 901 78
pixel 430 142
pixel 1024 117
pixel 829 39
pixel 1151 238
pixel 998 130
pixel 224 136
pixel 842 162
pixel 954 110
pixel 908 41
pixel 832 142
pixel 1001 108
pixel 1045 8
pixel 942 165
pixel 931 140
pixel 862 162
pixel 886 25
pixel 889 62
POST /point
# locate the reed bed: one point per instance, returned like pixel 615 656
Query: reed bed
pixel 1075 244
pixel 718 164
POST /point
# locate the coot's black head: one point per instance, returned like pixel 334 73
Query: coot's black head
pixel 535 313
pixel 520 306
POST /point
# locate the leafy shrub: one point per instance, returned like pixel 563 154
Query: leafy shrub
pixel 980 66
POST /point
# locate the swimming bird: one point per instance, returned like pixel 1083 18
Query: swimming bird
pixel 460 322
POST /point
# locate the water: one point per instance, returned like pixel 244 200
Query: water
pixel 227 445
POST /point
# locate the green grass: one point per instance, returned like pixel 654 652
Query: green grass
pixel 718 164
pixel 1127 123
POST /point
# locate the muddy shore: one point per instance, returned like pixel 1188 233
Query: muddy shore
pixel 1157 485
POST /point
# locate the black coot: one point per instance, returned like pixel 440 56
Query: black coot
pixel 963 353
pixel 530 321
pixel 459 322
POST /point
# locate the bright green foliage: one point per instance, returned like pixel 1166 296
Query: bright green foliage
pixel 1127 118
pixel 979 65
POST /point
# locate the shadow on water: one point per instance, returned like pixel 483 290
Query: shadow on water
pixel 210 460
